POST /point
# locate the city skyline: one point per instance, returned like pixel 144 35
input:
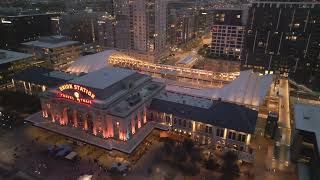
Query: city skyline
pixel 159 89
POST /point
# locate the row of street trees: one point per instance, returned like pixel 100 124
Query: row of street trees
pixel 187 157
pixel 183 155
pixel 19 102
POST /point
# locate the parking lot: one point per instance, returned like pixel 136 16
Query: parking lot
pixel 25 149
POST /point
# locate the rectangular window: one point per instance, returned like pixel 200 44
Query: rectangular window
pixel 219 132
pixel 232 135
pixel 242 137
pixel 210 130
pixel 167 119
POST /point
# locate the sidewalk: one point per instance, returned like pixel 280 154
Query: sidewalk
pixel 267 167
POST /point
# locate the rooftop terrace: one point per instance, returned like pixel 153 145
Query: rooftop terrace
pixel 139 96
pixel 51 42
pixel 185 99
pixel 11 56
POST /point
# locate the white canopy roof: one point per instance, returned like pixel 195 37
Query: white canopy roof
pixel 91 63
pixel 249 89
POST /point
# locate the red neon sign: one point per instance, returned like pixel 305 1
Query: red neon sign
pixel 76 96
pixel 80 100
pixel 77 88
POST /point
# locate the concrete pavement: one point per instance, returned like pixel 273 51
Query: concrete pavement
pixel 266 166
pixel 282 146
pixel 284 109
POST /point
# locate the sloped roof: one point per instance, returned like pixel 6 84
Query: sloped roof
pixel 51 42
pixel 249 88
pixel 221 114
pixel 11 56
pixel 42 76
pixel 90 63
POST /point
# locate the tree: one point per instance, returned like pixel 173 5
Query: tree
pixel 189 168
pixel 180 154
pixel 168 146
pixel 195 155
pixel 20 102
pixel 169 176
pixel 230 156
pixel 211 164
pixel 230 166
pixel 188 144
pixel 227 176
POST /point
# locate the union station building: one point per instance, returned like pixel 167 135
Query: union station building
pixel 115 105
pixel 108 103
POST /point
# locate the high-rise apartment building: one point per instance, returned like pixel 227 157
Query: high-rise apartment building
pixel 106 37
pixel 121 7
pixel 182 26
pixel 149 24
pixel 228 32
pixel 16 28
pixel 114 30
pixel 139 28
pixel 81 25
pixel 284 37
pixel 204 21
pixel 94 5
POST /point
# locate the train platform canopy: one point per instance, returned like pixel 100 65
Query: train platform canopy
pixel 249 89
pixel 90 63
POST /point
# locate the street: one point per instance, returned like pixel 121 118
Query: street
pixel 282 146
